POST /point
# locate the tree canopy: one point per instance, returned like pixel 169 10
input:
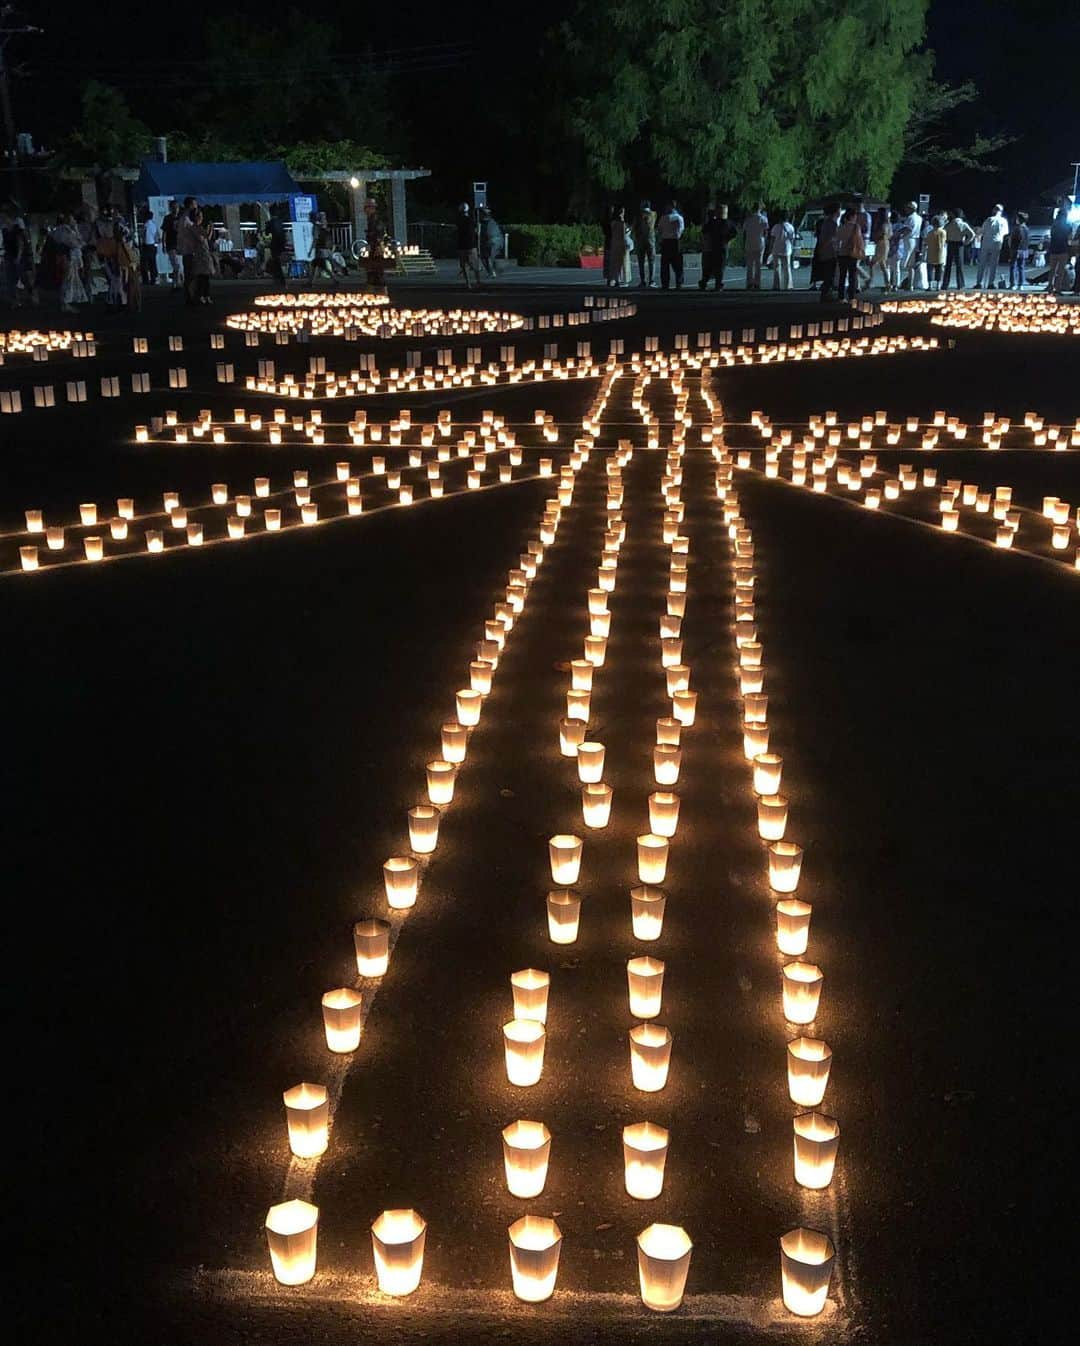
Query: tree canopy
pixel 777 99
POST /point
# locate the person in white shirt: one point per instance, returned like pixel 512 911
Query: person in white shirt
pixel 995 231
pixel 148 247
pixel 669 230
pixel 755 230
pixel 781 245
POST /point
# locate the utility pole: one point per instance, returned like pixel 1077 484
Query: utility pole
pixel 10 27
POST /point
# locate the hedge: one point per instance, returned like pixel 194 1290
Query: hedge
pixel 553 244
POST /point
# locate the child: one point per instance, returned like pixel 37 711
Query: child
pixel 935 251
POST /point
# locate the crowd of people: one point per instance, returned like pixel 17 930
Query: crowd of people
pixel 853 248
pixel 89 253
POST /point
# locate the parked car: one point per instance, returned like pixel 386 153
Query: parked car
pixel 806 230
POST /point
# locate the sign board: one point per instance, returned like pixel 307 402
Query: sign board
pixel 924 204
pixel 479 195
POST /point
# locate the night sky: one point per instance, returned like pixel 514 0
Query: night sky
pixel 1023 56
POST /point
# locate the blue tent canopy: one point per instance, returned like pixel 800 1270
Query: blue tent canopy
pixel 217 184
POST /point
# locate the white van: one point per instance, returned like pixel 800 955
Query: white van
pixel 806 230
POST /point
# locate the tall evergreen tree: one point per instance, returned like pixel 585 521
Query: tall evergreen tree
pixel 777 99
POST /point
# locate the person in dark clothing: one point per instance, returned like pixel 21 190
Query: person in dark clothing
pixel 1019 239
pixel 825 251
pixel 1057 252
pixel 169 227
pixel 277 245
pixel 468 259
pixel 716 235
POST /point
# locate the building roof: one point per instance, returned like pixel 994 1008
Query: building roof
pixel 216 184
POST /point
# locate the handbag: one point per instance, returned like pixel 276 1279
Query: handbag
pixel 858 244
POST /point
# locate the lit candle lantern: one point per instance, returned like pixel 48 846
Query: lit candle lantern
pixel 371 941
pixel 440 781
pixel 577 705
pixel 1060 537
pixel 194 534
pixel 400 877
pixel 93 548
pixel 596 804
pixel 802 992
pixel 755 707
pixel 468 707
pixel 523 1043
pixel 535 1244
pixel 645 1149
pixel 808 1064
pixel 751 680
pixel 670 652
pixel 678 678
pixel 668 731
pixel 219 493
pixel 600 624
pixel 530 990
pixel 950 520
pixel 54 537
pixel 35 521
pixel 455 741
pixel 341 1009
pixel 564 854
pixel 817 1139
pixel 590 760
pixel 652 858
pixel 272 520
pixel 755 740
pixel 571 736
pixel 526 1152
pixel 292 1236
pixel 423 829
pixel 667 761
pixel 307 1112
pixel 645 977
pixel 750 655
pixel 155 539
pixel 768 769
pixel 397 1241
pixel 650 1057
pixel 235 527
pixel 684 707
pixel 663 1263
pixel 806 1263
pixel 309 513
pixel 564 916
pixel 772 816
pixel 647 906
pixel 28 558
pixel 663 813
pixel 118 529
pixel 785 866
pixel 793 926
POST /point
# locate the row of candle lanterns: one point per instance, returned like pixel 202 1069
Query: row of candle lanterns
pixel 398 1237
pixel 382 320
pixel 876 430
pixel 807 1256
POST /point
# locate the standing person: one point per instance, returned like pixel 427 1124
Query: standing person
pixel 958 236
pixel 615 246
pixel 670 231
pixel 995 231
pixel 468 261
pixel 755 229
pixel 825 250
pixel 782 244
pixel 850 250
pixel 1018 251
pixel 1058 250
pixel 865 223
pixel 322 246
pixel 186 241
pixel 106 235
pixel 277 245
pixel 491 243
pixel 716 235
pixel 904 239
pixel 936 244
pixel 84 223
pixel 148 247
pixel 16 241
pixel 199 261
pixel 645 244
pixel 913 251
pixel 881 236
pixel 68 244
pixel 169 226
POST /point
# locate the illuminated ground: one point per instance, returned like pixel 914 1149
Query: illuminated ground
pixel 209 755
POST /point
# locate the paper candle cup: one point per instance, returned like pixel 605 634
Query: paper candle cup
pixel 802 992
pixel 817 1139
pixel 652 856
pixel 808 1063
pixel 400 878
pixel 564 854
pixel 768 770
pixel 806 1263
pixel 650 1057
pixel 645 1149
pixel 292 1236
pixel 667 762
pixel 571 736
pixel 307 1113
pixel 668 731
pixel 785 866
pixel 772 812
pixel 341 1009
pixel 596 804
pixel 590 762
pixel 684 707
pixel 526 1151
pixel 523 1044
pixel 530 990
pixel 397 1241
pixel 645 978
pixel 663 813
pixel 663 1263
pixel 371 940
pixel 440 781
pixel 564 916
pixel 647 906
pixel 535 1244
pixel 793 926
